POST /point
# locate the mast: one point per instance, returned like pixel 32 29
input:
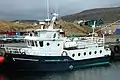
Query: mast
pixel 48 16
pixel 93 29
pixel 56 10
pixel 53 20
pixel 55 15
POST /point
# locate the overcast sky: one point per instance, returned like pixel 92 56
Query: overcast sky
pixel 36 9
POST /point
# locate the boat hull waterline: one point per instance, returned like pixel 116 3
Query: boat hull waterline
pixel 52 63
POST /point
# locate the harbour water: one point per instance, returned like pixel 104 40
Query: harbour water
pixel 111 72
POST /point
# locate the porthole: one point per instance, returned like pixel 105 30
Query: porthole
pixel 84 53
pixel 10 51
pixel 95 52
pixel 78 54
pixel 48 44
pixel 90 53
pixel 73 55
pixel 100 51
pixel 58 44
pixel 30 34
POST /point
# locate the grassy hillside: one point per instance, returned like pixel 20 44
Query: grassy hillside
pixel 72 28
pixel 11 26
pixel 68 27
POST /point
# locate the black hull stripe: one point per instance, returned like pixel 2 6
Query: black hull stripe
pixel 53 65
pixel 40 58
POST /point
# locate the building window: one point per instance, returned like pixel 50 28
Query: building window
pixel 90 53
pixel 100 51
pixel 73 55
pixel 36 44
pixel 48 44
pixel 95 52
pixel 78 54
pixel 41 43
pixel 84 53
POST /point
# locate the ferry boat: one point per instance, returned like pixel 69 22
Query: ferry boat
pixel 48 50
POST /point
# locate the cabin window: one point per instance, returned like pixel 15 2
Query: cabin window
pixel 28 42
pixel 41 43
pixel 95 52
pixel 32 43
pixel 54 35
pixel 36 44
pixel 48 44
pixel 78 54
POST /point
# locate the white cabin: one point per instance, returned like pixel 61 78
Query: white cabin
pixel 46 41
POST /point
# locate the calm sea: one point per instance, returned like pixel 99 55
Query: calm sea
pixel 111 72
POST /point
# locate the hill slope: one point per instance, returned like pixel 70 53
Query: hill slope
pixel 68 27
pixel 106 14
pixel 11 26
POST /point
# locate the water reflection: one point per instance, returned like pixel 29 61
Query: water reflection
pixel 96 73
pixel 2 77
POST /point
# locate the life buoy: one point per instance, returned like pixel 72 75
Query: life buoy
pixel 2 59
pixel 64 53
pixel 116 49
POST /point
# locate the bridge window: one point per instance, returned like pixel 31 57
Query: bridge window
pixel 32 43
pixel 28 42
pixel 36 44
pixel 41 43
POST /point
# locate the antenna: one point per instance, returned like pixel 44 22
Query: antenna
pixel 93 29
pixel 56 7
pixel 53 20
pixel 48 17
